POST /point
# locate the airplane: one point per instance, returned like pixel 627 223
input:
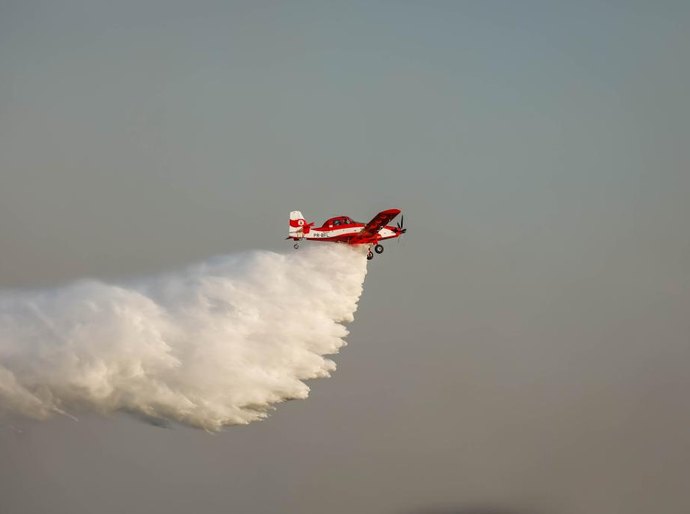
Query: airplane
pixel 341 229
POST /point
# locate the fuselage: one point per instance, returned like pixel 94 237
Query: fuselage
pixel 345 233
pixel 342 229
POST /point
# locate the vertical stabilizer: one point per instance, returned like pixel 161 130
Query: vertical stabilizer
pixel 298 225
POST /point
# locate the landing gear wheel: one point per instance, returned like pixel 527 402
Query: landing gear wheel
pixel 295 246
pixel 378 249
pixel 370 255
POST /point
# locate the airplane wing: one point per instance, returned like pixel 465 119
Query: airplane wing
pixel 372 228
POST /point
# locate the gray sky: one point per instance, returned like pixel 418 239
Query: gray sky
pixel 525 350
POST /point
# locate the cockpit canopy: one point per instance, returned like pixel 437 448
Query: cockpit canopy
pixel 338 221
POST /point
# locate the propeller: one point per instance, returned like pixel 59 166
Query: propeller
pixel 400 224
pixel 401 230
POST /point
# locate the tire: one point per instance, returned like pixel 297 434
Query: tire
pixel 378 249
pixel 370 256
pixel 295 246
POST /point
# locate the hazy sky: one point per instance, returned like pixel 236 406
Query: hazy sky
pixel 526 348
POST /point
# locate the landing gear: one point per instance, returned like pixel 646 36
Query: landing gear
pixel 295 246
pixel 378 249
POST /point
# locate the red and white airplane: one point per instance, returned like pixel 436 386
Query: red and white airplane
pixel 342 229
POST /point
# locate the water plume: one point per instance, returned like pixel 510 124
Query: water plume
pixel 217 344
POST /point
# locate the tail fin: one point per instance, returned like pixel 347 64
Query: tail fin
pixel 298 225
